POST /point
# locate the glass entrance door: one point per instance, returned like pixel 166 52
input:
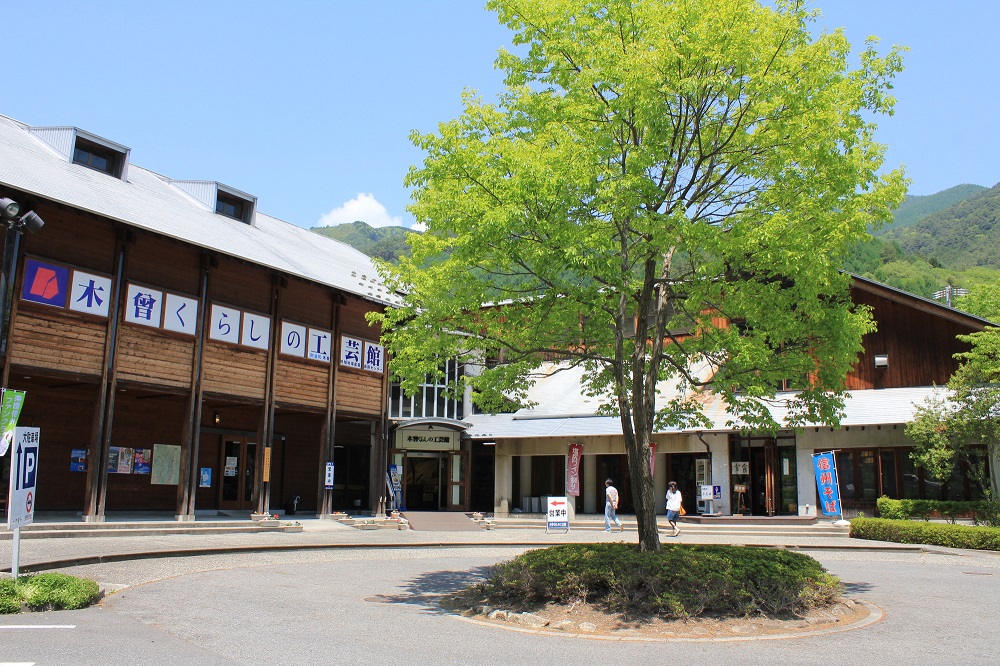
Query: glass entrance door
pixel 422 481
pixel 238 474
pixel 458 487
pixel 764 469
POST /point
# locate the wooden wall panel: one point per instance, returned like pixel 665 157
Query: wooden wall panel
pixel 140 424
pixel 353 323
pixel 359 393
pixel 920 347
pixel 307 303
pixel 65 416
pixel 234 371
pixel 74 238
pixel 146 356
pixel 161 262
pixel 301 383
pixel 241 285
pixel 58 341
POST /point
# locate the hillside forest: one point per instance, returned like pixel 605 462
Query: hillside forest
pixel 950 239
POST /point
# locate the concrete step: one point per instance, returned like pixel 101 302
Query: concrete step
pixel 817 530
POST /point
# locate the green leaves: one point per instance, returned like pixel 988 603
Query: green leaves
pixel 654 172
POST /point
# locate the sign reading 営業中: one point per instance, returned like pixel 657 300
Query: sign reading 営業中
pixel 825 466
pixel 557 513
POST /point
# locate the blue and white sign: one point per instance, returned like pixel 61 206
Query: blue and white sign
pixel 143 306
pixel 557 513
pixel 328 482
pixel 225 324
pixel 90 293
pixel 825 466
pixel 319 345
pixel 180 314
pixel 256 331
pixel 293 339
pixel 23 477
pixel 350 352
pixel 374 355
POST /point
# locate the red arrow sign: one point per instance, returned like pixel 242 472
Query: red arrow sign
pixel 558 503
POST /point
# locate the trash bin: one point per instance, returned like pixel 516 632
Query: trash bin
pixel 535 505
pixel 526 504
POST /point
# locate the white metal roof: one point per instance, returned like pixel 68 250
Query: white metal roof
pixel 563 411
pixel 148 201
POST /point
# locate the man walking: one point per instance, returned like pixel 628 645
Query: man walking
pixel 610 506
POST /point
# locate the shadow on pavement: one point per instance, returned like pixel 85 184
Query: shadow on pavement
pixel 426 590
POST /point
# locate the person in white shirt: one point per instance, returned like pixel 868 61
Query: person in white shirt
pixel 674 501
pixel 610 506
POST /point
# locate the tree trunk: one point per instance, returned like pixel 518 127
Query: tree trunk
pixel 637 448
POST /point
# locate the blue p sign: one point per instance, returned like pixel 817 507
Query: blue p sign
pixel 27 465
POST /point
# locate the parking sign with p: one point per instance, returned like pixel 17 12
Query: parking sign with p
pixel 23 473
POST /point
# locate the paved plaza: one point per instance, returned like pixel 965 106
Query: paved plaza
pixel 336 595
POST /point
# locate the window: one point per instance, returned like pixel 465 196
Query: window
pixel 231 206
pixel 431 399
pixel 866 474
pixel 97 157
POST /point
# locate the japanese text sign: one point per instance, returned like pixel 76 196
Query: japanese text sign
pixel 557 513
pixel 573 470
pixel 825 466
pixel 10 410
pixel 350 352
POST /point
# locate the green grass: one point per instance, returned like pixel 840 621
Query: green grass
pixel 46 591
pixel 674 582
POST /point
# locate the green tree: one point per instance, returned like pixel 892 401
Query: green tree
pixel 653 171
pixel 983 300
pixel 966 424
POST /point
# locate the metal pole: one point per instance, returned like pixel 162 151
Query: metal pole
pixel 15 552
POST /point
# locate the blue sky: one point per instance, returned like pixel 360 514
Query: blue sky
pixel 308 104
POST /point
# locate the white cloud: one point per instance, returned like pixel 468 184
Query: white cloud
pixel 419 226
pixel 364 207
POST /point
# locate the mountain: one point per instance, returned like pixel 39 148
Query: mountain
pixel 388 243
pixel 915 207
pixel 962 236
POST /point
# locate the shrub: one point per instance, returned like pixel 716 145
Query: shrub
pixel 936 534
pixel 901 509
pixel 47 591
pixel 10 600
pixel 674 582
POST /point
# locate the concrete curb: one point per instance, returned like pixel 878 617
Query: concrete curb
pixel 223 550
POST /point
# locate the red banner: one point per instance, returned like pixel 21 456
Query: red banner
pixel 652 457
pixel 573 470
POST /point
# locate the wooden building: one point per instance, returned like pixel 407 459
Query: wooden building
pixel 905 361
pixel 182 351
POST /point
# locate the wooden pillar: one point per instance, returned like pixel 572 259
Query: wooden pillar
pixel 329 431
pixel 104 408
pixel 187 487
pixel 265 430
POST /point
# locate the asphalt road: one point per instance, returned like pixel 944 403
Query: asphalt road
pixel 378 606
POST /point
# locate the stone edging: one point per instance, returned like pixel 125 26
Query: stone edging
pixel 536 624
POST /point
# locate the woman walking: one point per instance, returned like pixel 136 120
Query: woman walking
pixel 674 505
